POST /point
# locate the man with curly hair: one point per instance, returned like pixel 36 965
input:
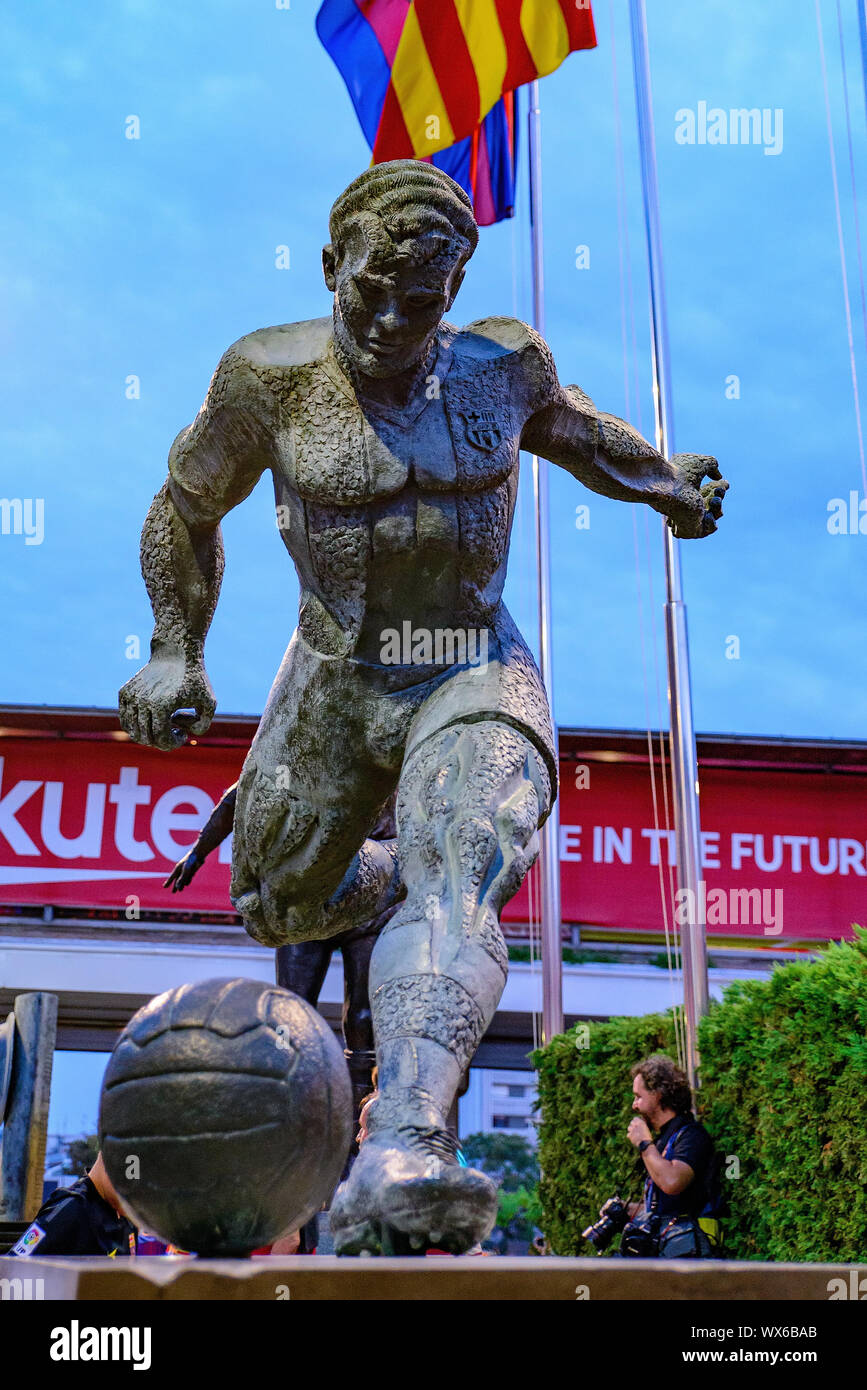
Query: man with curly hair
pixel 679 1162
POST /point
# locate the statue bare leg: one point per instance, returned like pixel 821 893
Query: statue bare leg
pixel 313 784
pixel 470 802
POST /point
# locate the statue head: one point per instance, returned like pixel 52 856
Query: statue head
pixel 401 235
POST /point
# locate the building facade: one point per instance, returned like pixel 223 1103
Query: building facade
pixel 91 824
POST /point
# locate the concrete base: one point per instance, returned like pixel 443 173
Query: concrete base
pixel 324 1277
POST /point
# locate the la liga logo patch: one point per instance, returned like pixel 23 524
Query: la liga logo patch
pixel 30 1239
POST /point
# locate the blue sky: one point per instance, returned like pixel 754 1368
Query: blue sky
pixel 76 1082
pixel 150 256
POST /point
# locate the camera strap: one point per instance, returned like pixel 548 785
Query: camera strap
pixel 650 1188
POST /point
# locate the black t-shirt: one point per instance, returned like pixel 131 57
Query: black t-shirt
pixel 693 1145
pixel 76 1220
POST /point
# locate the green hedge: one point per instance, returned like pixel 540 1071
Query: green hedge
pixel 784 1093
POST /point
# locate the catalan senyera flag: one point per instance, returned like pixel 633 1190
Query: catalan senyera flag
pixel 438 79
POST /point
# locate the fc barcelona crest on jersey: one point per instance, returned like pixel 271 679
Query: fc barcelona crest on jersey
pixel 482 429
pixel 481 420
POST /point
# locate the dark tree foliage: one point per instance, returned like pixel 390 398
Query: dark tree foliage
pixel 507 1158
pixel 81 1154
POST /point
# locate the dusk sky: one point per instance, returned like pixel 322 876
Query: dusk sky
pixel 147 257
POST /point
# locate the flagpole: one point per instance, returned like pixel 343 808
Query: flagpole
pixel 549 858
pixel 684 761
pixel 862 30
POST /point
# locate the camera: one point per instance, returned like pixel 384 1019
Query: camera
pixel 613 1217
pixel 640 1239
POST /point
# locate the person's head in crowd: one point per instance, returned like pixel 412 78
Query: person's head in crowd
pixel 287 1244
pixel 660 1090
pixel 103 1184
pixel 362 1117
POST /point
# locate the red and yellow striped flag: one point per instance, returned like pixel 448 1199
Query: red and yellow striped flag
pixel 456 58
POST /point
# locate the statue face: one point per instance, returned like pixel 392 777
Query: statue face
pixel 389 308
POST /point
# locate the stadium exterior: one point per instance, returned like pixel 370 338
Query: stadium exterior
pixel 90 823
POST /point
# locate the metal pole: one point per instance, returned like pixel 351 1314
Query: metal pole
pixel 684 761
pixel 549 857
pixel 862 29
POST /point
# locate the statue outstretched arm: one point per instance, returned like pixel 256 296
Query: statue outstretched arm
pixel 212 834
pixel 610 457
pixel 213 465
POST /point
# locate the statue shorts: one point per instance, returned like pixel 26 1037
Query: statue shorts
pixel 336 737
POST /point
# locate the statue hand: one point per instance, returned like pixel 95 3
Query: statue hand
pixel 701 508
pixel 148 703
pixel 184 872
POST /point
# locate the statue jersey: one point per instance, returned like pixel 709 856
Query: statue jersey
pixel 390 517
pixel 398 522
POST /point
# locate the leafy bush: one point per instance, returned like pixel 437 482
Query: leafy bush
pixel 585 1097
pixel 511 1161
pixel 519 1213
pixel 784 1070
pixel 784 1079
pixel 572 955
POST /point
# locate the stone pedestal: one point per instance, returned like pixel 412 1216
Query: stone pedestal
pixel 468 1278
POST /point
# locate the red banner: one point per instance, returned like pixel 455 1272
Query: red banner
pixel 784 853
pixel 90 823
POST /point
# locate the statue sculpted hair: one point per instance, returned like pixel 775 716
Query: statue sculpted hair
pixel 409 211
